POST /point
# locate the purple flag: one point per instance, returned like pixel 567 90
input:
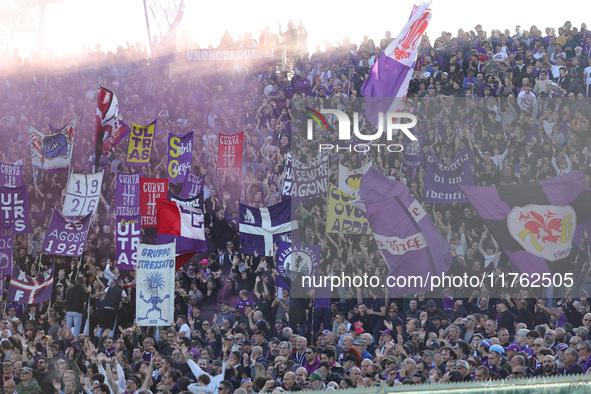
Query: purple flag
pixel 128 193
pixel 390 75
pixel 5 249
pixel 193 185
pixel 442 181
pixel 292 258
pixel 11 175
pixel 24 289
pixel 14 203
pixel 413 153
pixel 128 239
pixel 407 238
pixel 65 237
pixel 180 148
pixel 537 224
pixel 260 228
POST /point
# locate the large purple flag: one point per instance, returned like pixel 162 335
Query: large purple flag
pixel 390 75
pixel 14 203
pixel 407 238
pixel 538 225
pixel 193 185
pixel 442 181
pixel 65 237
pixel 11 175
pixel 128 239
pixel 6 238
pixel 128 193
pixel 180 148
pixel 24 289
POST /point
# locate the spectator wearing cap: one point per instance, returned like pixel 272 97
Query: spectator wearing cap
pixel 495 358
pixel 512 350
pixel 27 384
pixel 258 339
pixel 506 316
pixel 361 346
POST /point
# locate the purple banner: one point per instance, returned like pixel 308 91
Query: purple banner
pixel 296 258
pixel 442 181
pixel 413 153
pixel 66 237
pixel 128 239
pixel 11 175
pixel 14 203
pixel 128 193
pixel 5 249
pixel 180 148
pixel 193 185
pixel 287 180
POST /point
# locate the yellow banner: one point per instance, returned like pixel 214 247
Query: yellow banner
pixel 342 217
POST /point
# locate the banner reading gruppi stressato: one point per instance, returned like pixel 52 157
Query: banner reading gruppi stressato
pixel 180 148
pixel 155 284
pixel 442 182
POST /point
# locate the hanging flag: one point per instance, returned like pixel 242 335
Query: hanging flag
pixel 65 237
pixel 342 217
pixel 413 153
pixel 391 73
pixel 405 235
pixel 109 129
pixel 180 149
pixel 442 182
pixel 155 279
pixel 310 179
pixel 538 224
pixel 230 154
pixel 349 179
pixel 127 196
pixel 128 239
pixel 183 225
pixel 14 202
pixel 192 186
pixel 83 194
pixel 150 190
pixel 287 176
pixel 24 289
pixel 11 175
pixel 6 239
pixel 260 228
pixel 54 151
pixel 141 139
pixel 195 202
pixel 296 258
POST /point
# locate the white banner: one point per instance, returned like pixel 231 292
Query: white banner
pixel 155 285
pixel 349 180
pixel 83 194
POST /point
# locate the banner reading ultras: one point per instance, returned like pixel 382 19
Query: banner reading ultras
pixel 141 140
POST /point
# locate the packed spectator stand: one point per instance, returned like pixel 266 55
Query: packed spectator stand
pixel 525 113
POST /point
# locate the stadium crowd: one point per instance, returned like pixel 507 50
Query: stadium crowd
pixel 524 111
